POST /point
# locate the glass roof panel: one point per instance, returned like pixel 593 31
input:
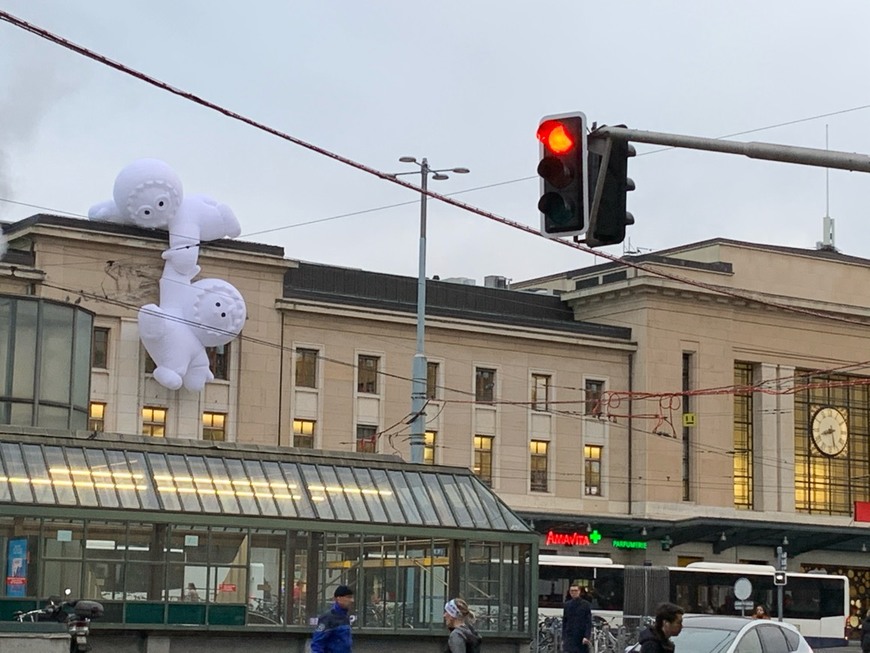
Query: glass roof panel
pixel 439 499
pixel 354 494
pixel 241 486
pixel 220 478
pixel 260 487
pixel 317 491
pixel 163 482
pixel 424 501
pixel 101 477
pixel 16 473
pixel 60 476
pixel 203 484
pixel 297 489
pixel 370 494
pixel 389 496
pixel 5 492
pixel 125 484
pixel 142 478
pixel 38 473
pixel 451 489
pixel 335 493
pixel 475 508
pixel 183 483
pixel 490 505
pixel 81 476
pixel 406 499
pixel 281 491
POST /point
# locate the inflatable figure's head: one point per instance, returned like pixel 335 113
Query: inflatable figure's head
pixel 148 193
pixel 218 312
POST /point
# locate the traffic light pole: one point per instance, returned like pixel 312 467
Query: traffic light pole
pixel 754 150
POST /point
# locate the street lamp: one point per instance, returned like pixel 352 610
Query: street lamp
pixel 419 368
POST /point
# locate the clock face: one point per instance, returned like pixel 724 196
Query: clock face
pixel 830 431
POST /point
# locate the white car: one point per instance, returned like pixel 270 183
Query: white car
pixel 721 634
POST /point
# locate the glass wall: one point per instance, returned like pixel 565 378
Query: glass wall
pixel 147 573
pixel 45 353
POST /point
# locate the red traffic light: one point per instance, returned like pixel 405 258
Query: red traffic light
pixel 555 137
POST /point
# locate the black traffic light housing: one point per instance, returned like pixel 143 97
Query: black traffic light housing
pixel 780 578
pixel 608 185
pixel 564 203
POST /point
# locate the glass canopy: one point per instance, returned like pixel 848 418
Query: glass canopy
pixel 292 485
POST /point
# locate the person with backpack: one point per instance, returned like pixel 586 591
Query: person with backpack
pixel 865 633
pixel 463 637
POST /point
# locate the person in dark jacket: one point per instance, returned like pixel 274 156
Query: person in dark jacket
pixel 332 634
pixel 576 623
pixel 669 623
pixel 458 618
pixel 865 633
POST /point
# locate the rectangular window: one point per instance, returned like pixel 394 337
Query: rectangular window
pixel 539 463
pixel 214 427
pixel 367 374
pixel 592 470
pixel 592 397
pixel 429 447
pixel 743 436
pixel 154 421
pixel 431 380
pixel 97 416
pixel 100 348
pixel 306 368
pixel 219 361
pixel 484 385
pixel 483 458
pixel 540 392
pixel 303 433
pixel 366 438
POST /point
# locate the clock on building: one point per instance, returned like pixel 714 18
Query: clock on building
pixel 829 430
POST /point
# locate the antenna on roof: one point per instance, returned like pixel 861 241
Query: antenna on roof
pixel 827 241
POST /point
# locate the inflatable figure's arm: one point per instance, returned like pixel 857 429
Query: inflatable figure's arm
pixel 105 212
pixel 198 374
pixel 215 220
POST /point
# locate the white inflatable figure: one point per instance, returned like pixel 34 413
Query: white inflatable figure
pixel 148 193
pixel 190 317
pixel 3 244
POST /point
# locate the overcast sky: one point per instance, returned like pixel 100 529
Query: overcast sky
pixel 462 82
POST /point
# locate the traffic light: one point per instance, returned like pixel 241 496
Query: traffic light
pixel 608 184
pixel 564 203
pixel 780 578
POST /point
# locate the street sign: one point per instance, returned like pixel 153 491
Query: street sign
pixel 743 605
pixel 742 588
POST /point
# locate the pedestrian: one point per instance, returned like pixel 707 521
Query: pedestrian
pixel 576 622
pixel 463 637
pixel 191 594
pixel 669 623
pixel 865 633
pixel 332 634
pixel 760 612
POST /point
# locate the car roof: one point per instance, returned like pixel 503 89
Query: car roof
pixel 719 622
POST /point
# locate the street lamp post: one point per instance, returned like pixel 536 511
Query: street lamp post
pixel 419 371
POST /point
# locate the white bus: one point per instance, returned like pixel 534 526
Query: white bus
pixel 817 604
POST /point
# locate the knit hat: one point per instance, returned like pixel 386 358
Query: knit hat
pixel 342 590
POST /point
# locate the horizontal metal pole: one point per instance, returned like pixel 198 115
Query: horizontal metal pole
pixel 768 151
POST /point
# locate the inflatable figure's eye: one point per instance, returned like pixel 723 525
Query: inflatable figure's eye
pixel 146 212
pixel 223 314
pixel 217 303
pixel 161 204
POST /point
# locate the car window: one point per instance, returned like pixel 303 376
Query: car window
pixel 749 643
pixel 772 639
pixel 793 639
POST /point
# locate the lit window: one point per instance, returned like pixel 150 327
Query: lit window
pixel 214 427
pixel 306 368
pixel 154 421
pixel 484 384
pixel 483 458
pixel 429 447
pixel 367 374
pixel 303 433
pixel 100 348
pixel 219 361
pixel 97 416
pixel 592 470
pixel 593 397
pixel 539 463
pixel 366 438
pixel 540 392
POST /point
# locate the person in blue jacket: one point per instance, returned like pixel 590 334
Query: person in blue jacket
pixel 332 634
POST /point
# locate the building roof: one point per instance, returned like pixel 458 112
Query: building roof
pixel 392 292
